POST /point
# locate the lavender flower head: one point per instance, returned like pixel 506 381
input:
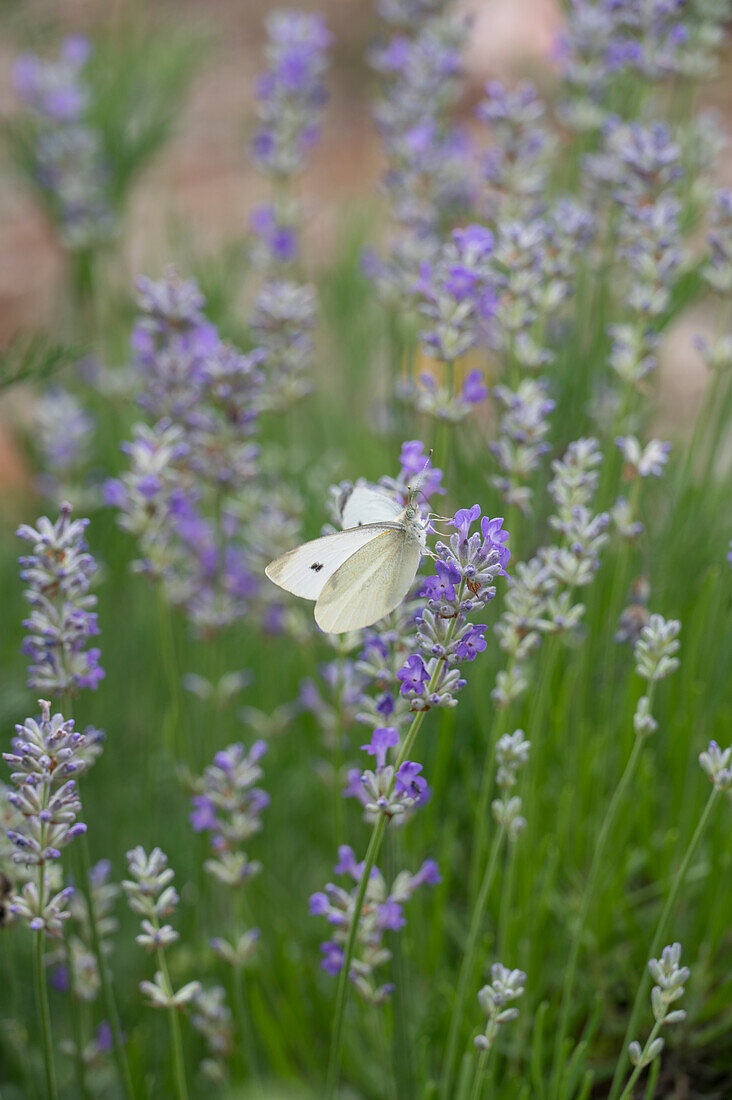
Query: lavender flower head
pixel 46 758
pixel 151 894
pixel 429 163
pixel 670 978
pixel 58 574
pixel 228 805
pixel 53 88
pixel 67 158
pixel 382 912
pixel 462 583
pixel 521 442
pixel 505 986
pixel 648 461
pixel 291 95
pixel 385 789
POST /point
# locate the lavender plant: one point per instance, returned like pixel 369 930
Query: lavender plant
pixel 536 262
pixel 151 895
pixel 58 574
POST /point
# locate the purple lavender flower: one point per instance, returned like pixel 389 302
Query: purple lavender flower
pixel 516 166
pixel 413 676
pixel 228 805
pixel 291 94
pixel 469 563
pixel 522 438
pixel 428 158
pixel 66 152
pixel 62 620
pixel 54 89
pixel 277 240
pixel 178 497
pixel 385 789
pixel 382 912
pixel 46 758
pixel 606 44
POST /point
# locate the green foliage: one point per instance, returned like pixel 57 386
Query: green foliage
pixel 139 75
pixel 34 358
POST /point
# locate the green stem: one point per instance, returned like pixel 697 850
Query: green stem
pixel 659 935
pixel 118 1042
pixel 467 967
pixel 176 1039
pixel 627 1092
pixel 44 1013
pixel 480 826
pixel 243 1016
pixel 570 972
pixel 243 1023
pixel 171 728
pixel 77 1026
pixel 336 1045
pixel 372 853
pixel 480 1072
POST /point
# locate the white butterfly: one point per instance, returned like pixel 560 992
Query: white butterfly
pixel 358 575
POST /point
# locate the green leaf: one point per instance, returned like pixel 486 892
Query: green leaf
pixel 34 359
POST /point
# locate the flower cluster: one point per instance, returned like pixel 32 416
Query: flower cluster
pixel 670 979
pixel 457 293
pixel 516 166
pixel 67 153
pixel 211 1017
pixel 382 912
pixel 505 986
pixel 648 461
pixel 605 45
pixel 58 573
pixel 428 172
pixel 79 953
pixel 178 495
pixel 386 789
pixel 521 438
pixel 540 597
pixel 656 648
pixel 46 758
pixel 228 805
pixel 717 766
pixel 63 431
pixel 285 314
pixel 465 569
pixel 512 752
pixel 638 166
pixel 150 893
pixel 291 94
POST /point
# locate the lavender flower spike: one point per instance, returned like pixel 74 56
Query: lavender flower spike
pixel 46 757
pixel 58 574
pixel 505 985
pixel 382 912
pixel 150 894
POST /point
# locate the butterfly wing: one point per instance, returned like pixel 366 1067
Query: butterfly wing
pixel 370 583
pixel 306 570
pixel 365 505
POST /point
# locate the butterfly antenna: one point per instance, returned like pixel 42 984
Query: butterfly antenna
pixel 416 489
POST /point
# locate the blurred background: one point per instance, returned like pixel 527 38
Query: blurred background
pixel 202 184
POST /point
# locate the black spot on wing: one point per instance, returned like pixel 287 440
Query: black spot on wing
pixel 316 566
